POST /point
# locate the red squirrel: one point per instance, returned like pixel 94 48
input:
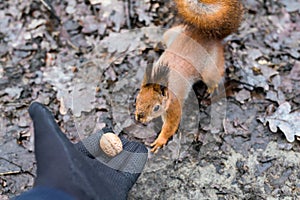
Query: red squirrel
pixel 194 52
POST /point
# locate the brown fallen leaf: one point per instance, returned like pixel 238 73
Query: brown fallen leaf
pixel 243 96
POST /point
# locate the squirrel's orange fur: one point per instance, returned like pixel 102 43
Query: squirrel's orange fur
pixel 194 52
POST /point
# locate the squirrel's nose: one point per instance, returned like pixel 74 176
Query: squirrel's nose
pixel 139 116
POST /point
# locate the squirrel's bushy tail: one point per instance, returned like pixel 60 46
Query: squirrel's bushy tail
pixel 211 18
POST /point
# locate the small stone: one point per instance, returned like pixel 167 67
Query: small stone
pixel 111 144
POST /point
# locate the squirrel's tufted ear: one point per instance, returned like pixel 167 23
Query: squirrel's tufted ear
pixel 148 74
pixel 156 73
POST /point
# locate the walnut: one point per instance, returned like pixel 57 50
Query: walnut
pixel 111 144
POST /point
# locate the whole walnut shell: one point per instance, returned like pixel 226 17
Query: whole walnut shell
pixel 111 144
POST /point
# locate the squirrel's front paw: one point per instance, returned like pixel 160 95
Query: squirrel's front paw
pixel 158 143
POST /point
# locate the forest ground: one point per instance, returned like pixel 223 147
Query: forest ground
pixel 87 66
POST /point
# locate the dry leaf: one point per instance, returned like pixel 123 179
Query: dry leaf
pixel 286 121
pixel 243 96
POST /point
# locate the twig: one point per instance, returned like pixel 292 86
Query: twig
pixel 50 8
pixel 295 109
pixel 21 171
pixel 127 13
pixel 10 173
pixel 294 96
pixel 72 45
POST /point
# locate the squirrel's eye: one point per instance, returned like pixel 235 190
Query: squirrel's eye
pixel 156 108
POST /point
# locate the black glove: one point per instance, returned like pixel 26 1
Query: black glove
pixel 82 170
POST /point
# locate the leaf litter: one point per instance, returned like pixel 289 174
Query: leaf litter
pixel 84 57
pixel 285 120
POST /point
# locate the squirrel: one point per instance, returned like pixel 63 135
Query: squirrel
pixel 194 51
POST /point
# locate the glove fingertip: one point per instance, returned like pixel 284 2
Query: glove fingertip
pixel 34 109
pixel 33 106
pixel 42 118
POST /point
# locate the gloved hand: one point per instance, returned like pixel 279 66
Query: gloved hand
pixel 82 170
